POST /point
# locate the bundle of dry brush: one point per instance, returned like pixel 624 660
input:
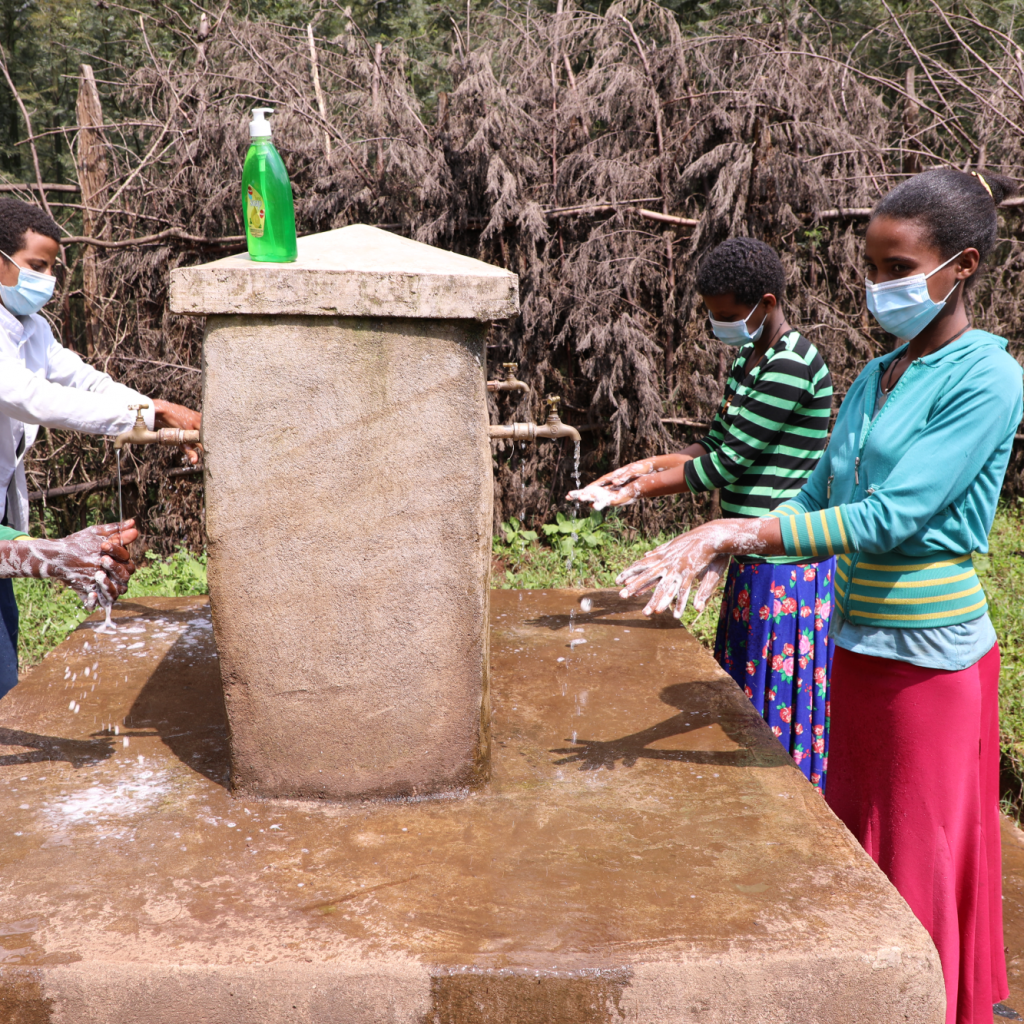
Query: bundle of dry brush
pixel 598 157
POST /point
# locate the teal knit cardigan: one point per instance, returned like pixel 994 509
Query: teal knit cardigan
pixel 904 498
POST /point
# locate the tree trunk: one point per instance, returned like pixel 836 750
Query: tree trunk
pixel 91 162
pixel 375 105
pixel 321 105
pixel 911 150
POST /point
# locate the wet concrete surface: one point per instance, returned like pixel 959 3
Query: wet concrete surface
pixel 1013 912
pixel 643 851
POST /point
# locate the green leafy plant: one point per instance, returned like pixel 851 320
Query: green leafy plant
pixel 1002 575
pixel 517 537
pixel 565 533
pixel 181 575
pixel 47 612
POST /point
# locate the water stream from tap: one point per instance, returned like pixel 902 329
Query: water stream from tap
pixel 522 479
pixel 574 536
pixel 120 505
pixel 108 623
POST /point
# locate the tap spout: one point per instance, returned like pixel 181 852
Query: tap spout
pixel 509 383
pixel 552 428
pixel 139 434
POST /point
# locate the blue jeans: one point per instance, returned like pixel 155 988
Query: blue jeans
pixel 8 638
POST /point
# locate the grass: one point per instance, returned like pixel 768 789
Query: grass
pixel 1002 574
pixel 48 612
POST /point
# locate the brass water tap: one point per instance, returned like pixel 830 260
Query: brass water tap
pixel 140 434
pixel 551 429
pixel 509 383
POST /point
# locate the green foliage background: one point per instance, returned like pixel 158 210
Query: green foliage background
pixel 45 42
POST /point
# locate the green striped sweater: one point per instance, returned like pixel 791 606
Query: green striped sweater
pixel 770 431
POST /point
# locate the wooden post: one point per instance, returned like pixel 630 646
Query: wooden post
pixel 1019 54
pixel 91 162
pixel 375 104
pixel 911 148
pixel 319 92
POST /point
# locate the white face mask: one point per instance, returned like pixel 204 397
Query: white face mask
pixel 31 292
pixel 903 307
pixel 735 332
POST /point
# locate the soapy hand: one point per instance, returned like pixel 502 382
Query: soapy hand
pixel 620 487
pixel 167 414
pixel 94 562
pixel 700 556
pixel 603 497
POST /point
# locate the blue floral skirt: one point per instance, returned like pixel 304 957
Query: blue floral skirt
pixel 773 640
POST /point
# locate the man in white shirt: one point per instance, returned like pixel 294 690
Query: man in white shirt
pixel 44 384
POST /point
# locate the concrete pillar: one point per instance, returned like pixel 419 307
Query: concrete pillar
pixel 348 510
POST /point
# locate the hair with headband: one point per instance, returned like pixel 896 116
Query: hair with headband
pixel 958 209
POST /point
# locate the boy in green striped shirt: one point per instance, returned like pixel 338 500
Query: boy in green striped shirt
pixel 763 444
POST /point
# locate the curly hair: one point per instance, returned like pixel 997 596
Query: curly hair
pixel 747 268
pixel 16 218
pixel 957 209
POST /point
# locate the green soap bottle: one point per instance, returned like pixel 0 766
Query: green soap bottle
pixel 268 209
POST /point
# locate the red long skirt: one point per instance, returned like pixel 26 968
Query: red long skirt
pixel 914 774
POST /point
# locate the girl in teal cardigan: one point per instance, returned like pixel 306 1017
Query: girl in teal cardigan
pixel 904 495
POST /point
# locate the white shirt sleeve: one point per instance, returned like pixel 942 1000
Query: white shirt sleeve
pixel 72 395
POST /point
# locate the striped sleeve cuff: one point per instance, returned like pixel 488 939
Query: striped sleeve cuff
pixel 814 534
pixel 785 509
pixel 696 480
pixel 709 443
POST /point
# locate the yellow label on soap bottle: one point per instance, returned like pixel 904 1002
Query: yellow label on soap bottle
pixel 256 212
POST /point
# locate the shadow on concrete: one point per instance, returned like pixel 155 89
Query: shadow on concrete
pixel 605 603
pixel 78 753
pixel 701 705
pixel 183 699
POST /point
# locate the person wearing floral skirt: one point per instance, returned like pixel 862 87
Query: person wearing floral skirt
pixel 763 444
pixel 773 640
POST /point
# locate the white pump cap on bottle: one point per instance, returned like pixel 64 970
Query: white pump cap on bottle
pixel 259 126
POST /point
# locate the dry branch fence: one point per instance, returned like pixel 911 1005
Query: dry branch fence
pixel 597 156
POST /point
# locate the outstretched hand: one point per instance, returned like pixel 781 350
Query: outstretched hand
pixel 700 556
pixel 167 414
pixel 94 562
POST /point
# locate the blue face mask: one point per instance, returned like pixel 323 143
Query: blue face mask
pixel 30 294
pixel 903 307
pixel 734 332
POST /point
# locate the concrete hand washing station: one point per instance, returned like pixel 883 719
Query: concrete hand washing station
pixel 383 795
pixel 349 499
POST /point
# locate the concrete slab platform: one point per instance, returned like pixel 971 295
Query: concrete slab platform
pixel 644 852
